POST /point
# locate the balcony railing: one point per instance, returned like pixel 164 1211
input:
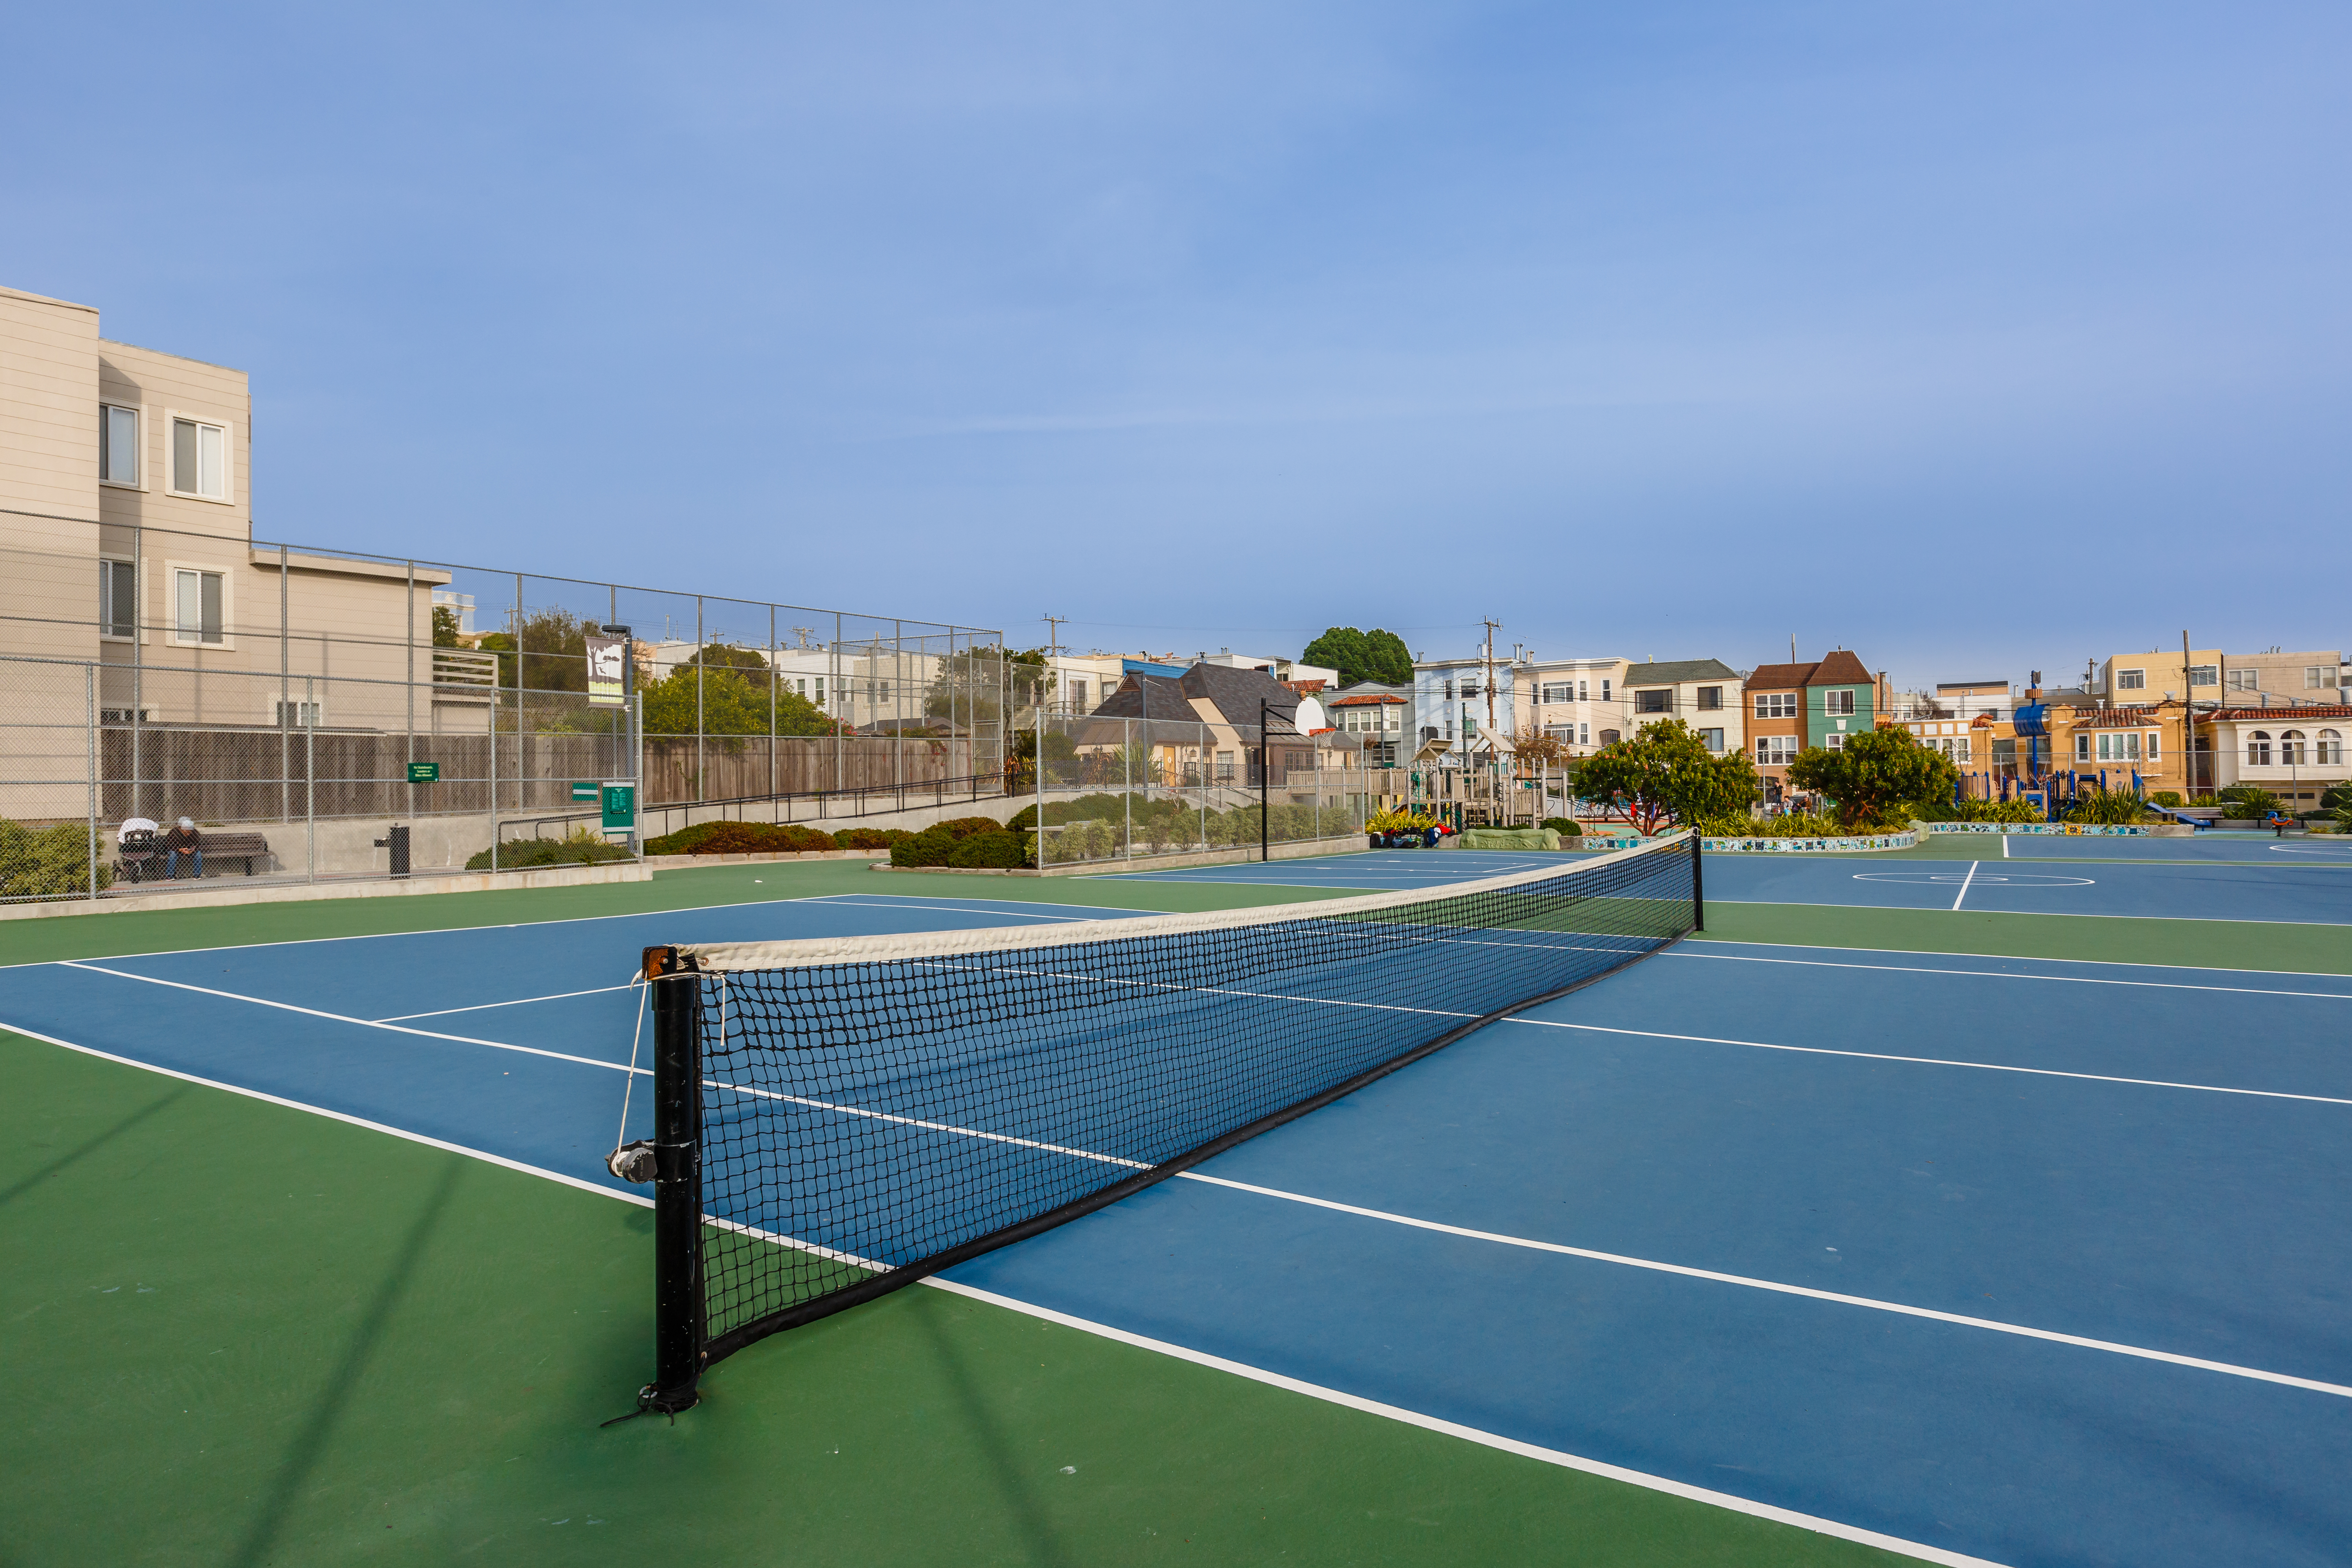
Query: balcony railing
pixel 465 667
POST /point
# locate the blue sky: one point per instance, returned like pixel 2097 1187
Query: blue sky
pixel 1976 338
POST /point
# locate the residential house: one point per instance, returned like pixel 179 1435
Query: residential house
pixel 1201 729
pixel 1307 678
pixel 1704 694
pixel 1465 703
pixel 2294 753
pixel 1579 701
pixel 1378 718
pixel 1789 707
pixel 2210 675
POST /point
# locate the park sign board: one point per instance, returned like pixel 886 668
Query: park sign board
pixel 585 791
pixel 425 772
pixel 619 801
pixel 608 663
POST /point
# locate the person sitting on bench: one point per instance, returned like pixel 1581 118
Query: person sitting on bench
pixel 183 839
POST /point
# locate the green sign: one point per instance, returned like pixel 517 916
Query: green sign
pixel 620 801
pixel 425 772
pixel 583 792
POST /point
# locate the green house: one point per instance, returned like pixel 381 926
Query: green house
pixel 1841 699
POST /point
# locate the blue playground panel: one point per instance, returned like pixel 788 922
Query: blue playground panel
pixel 2182 1220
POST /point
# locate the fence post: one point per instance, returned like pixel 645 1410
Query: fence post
pixel 310 771
pixel 90 682
pixel 679 1317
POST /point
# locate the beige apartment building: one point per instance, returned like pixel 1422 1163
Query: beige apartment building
pixel 126 539
pixel 2274 677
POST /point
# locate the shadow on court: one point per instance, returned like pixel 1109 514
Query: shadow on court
pixel 90 1147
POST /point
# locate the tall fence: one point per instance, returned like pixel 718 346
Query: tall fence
pixel 1123 789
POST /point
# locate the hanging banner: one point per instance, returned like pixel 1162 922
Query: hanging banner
pixel 607 665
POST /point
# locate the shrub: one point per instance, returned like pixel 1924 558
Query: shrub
pixel 580 849
pixel 741 838
pixel 870 837
pixel 997 848
pixel 2248 803
pixel 1564 825
pixel 48 861
pixel 1792 825
pixel 2165 797
pixel 2114 807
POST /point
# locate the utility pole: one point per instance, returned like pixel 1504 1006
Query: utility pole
pixel 1052 652
pixel 2188 722
pixel 1492 756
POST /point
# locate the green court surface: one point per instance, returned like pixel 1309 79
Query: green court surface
pixel 239 1333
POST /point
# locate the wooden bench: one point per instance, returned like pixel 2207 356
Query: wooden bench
pixel 246 846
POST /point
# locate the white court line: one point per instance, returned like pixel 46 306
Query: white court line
pixel 1969 879
pixel 846 901
pixel 1777 1287
pixel 345 1018
pixel 1987 957
pixel 891 900
pixel 2004 974
pixel 2004 845
pixel 1328 1395
pixel 480 1006
pixel 1935 1061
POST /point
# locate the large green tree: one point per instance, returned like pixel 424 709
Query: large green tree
pixel 1375 655
pixel 1665 771
pixel 731 704
pixel 1874 774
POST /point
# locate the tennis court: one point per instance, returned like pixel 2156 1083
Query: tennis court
pixel 1792 1249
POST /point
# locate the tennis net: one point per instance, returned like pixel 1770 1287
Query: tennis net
pixel 838 1118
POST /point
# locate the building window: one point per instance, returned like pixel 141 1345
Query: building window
pixel 2204 674
pixel 1580 692
pixel 1710 700
pixel 1604 691
pixel 2245 680
pixel 820 690
pixel 1775 750
pixel 1078 693
pixel 2291 749
pixel 1837 702
pixel 2317 674
pixel 2330 750
pixel 2151 749
pixel 1960 750
pixel 1711 739
pixel 2258 749
pixel 197 606
pixel 118 445
pixel 1224 767
pixel 1777 705
pixel 1558 691
pixel 1835 740
pixel 1610 737
pixel 296 715
pixel 117 599
pixel 199 459
pixel 2118 747
pixel 1651 701
pixel 2082 746
pixel 2131 681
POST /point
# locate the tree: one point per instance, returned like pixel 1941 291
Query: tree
pixel 1535 748
pixel 554 651
pixel 1376 655
pixel 1875 773
pixel 726 656
pixel 729 705
pixel 1666 771
pixel 444 626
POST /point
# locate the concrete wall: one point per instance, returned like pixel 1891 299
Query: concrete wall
pixel 48 468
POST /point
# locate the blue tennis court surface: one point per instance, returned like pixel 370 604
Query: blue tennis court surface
pixel 2026 1261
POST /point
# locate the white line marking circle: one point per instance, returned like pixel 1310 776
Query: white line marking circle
pixel 1983 879
pixel 2309 848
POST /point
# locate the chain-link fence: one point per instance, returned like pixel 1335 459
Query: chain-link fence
pixel 1126 789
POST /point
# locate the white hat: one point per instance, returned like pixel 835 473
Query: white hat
pixel 184 822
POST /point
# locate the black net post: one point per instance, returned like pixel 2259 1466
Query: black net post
pixel 677 1181
pixel 1698 889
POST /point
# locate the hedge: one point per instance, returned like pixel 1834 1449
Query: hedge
pixel 520 854
pixel 741 838
pixel 48 861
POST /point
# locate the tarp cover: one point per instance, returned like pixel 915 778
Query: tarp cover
pixel 1510 839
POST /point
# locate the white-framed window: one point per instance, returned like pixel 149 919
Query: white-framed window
pixel 1580 695
pixel 199 459
pixel 1960 750
pixel 293 713
pixel 820 690
pixel 118 445
pixel 1558 691
pixel 2204 674
pixel 1710 700
pixel 2330 749
pixel 2317 674
pixel 1078 693
pixel 1711 739
pixel 1835 740
pixel 2120 746
pixel 2131 681
pixel 117 599
pixel 1604 691
pixel 1777 705
pixel 1837 701
pixel 1584 734
pixel 199 606
pixel 2151 749
pixel 2258 749
pixel 2245 680
pixel 2291 749
pixel 1775 750
pixel 1653 701
pixel 2082 746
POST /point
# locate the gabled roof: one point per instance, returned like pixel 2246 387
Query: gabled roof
pixel 1368 700
pixel 1839 668
pixel 1680 669
pixel 1233 694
